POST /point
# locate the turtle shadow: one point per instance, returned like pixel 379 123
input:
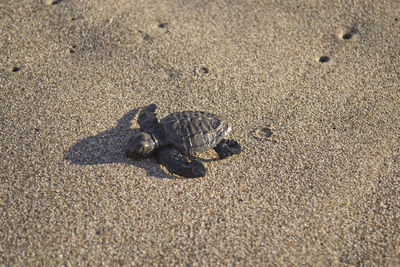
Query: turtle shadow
pixel 109 147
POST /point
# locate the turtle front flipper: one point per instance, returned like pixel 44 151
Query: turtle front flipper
pixel 148 118
pixel 227 148
pixel 179 164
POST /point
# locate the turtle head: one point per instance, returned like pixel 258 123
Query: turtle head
pixel 140 145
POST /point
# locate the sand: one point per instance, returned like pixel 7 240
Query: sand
pixel 323 189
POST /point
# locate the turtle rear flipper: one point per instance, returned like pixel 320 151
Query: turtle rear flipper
pixel 227 148
pixel 148 118
pixel 179 164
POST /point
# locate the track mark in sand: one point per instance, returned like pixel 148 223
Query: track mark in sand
pixel 201 71
pixel 163 25
pixel 204 70
pixel 262 133
pixel 72 49
pixel 145 36
pixel 52 2
pixel 324 59
pixel 345 35
pixel 349 34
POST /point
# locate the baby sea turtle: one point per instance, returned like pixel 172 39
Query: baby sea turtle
pixel 178 136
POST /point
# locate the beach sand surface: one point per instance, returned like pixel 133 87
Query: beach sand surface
pixel 310 88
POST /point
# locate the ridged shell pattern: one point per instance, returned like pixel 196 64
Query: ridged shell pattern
pixel 194 131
